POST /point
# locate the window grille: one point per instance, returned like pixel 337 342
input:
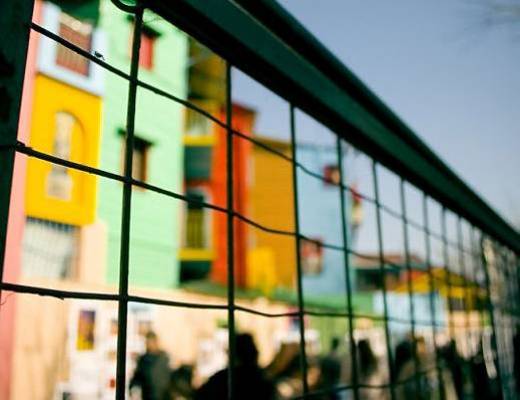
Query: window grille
pixel 49 249
pixel 79 33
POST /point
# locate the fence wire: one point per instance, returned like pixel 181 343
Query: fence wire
pixel 502 312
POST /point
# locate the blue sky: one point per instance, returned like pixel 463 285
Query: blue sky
pixel 455 82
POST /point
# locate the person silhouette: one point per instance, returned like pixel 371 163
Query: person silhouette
pixel 330 370
pixel 370 372
pixel 152 373
pixel 250 381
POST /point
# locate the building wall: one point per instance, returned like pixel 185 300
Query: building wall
pixel 272 258
pixel 399 307
pixel 40 351
pixel 48 357
pixel 320 219
pixel 79 209
pixel 243 121
pixel 12 261
pixel 155 218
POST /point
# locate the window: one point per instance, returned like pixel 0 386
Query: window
pixel 80 34
pixel 457 304
pixel 59 182
pixel 199 124
pixel 357 206
pixel 147 49
pixel 368 279
pixel 331 174
pixel 371 279
pixel 196 123
pixel 311 256
pixel 195 222
pixel 140 158
pixel 49 249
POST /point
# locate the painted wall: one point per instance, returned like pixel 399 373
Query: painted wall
pixel 93 82
pixel 12 262
pixel 399 307
pixel 271 258
pixel 155 218
pixel 320 219
pixel 48 357
pixel 85 109
pixel 243 120
pixel 65 122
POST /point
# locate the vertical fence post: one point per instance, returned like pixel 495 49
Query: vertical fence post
pixel 230 233
pixel 299 280
pixel 409 284
pixel 346 260
pixel 432 287
pixel 382 272
pixel 15 22
pixel 124 259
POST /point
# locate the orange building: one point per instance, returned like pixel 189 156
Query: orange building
pixel 271 257
pixel 204 248
pixel 262 190
pixel 243 119
pixel 205 244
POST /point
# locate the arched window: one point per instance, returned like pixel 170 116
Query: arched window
pixel 59 181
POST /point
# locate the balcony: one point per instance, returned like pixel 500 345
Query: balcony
pixel 199 141
pixel 196 255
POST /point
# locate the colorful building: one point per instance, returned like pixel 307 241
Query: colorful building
pixel 204 252
pixel 264 262
pixel 72 220
pixel 16 223
pixel 61 202
pixel 158 157
pixel 71 236
pixel 202 138
pixel 69 225
pixel 271 257
pixel 320 221
pixel 457 300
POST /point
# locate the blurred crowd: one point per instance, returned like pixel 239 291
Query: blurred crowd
pixel 418 373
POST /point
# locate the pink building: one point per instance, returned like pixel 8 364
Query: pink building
pixel 16 222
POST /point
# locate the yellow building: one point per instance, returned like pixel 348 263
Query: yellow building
pixel 271 258
pixel 66 125
pixel 66 119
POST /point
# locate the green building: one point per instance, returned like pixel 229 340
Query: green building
pixel 155 219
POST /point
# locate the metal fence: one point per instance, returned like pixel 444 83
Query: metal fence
pixel 265 42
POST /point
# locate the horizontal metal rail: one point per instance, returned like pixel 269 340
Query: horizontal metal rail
pixel 267 43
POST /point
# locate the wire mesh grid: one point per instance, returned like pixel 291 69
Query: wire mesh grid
pixel 477 255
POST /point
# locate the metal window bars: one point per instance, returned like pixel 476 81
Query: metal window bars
pixel 350 108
